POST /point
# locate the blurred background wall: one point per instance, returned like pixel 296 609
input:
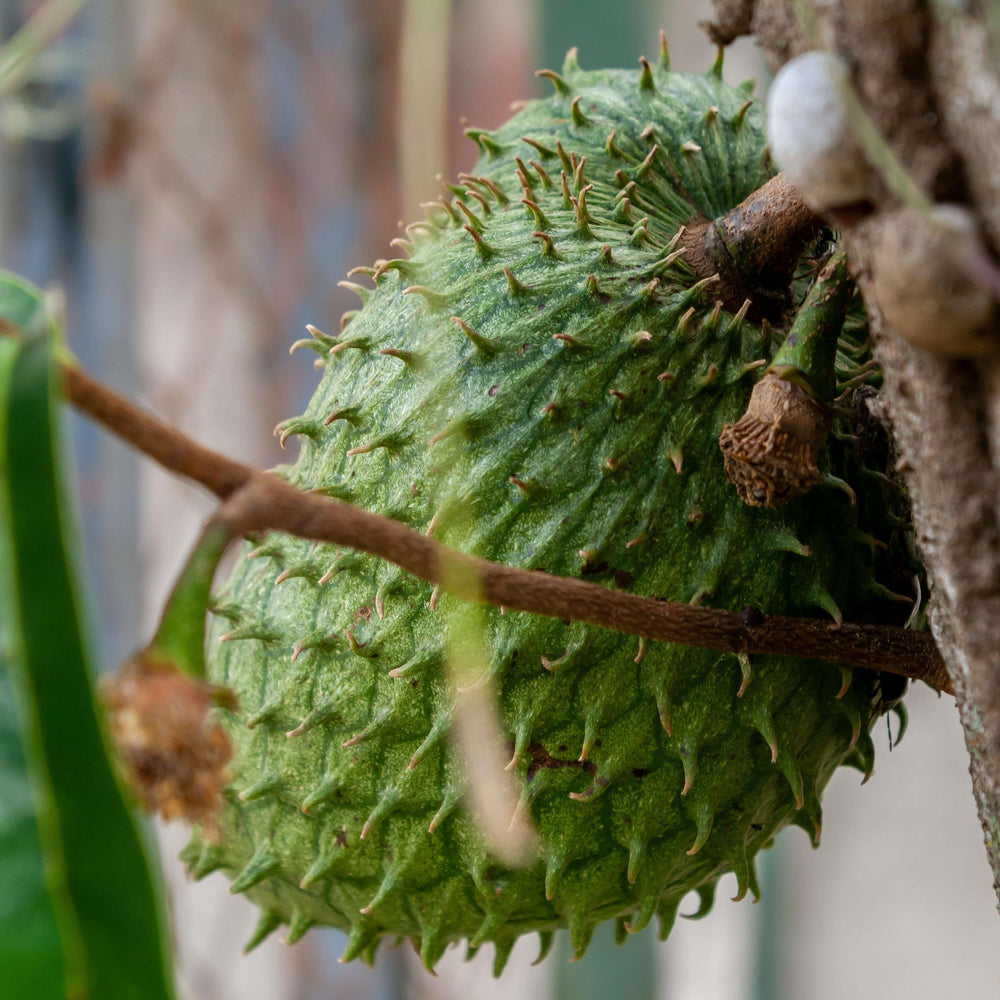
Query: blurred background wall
pixel 197 176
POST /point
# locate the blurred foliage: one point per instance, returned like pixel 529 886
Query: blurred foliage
pixel 80 911
pixel 607 34
pixel 34 68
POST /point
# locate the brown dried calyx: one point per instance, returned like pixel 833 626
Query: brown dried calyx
pixel 174 754
pixel 770 452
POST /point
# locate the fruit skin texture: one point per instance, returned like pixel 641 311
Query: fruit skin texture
pixel 553 372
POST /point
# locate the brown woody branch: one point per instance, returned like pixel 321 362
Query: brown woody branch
pixel 161 442
pixel 265 502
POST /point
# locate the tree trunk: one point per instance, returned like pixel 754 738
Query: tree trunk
pixel 925 75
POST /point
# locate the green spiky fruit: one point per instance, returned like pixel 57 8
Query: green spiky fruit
pixel 542 382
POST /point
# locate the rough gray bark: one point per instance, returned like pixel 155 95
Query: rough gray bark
pixel 926 75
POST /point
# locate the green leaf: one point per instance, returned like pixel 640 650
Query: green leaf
pixel 22 307
pixel 102 895
pixel 31 962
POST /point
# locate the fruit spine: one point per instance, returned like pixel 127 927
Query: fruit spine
pixel 542 380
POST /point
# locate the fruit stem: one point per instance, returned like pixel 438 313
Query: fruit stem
pixel 764 235
pixel 753 247
pixel 180 636
pixel 809 352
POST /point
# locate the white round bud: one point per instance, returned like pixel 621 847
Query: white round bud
pixel 810 134
pixel 924 277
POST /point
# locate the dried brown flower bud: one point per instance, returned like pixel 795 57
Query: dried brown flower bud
pixel 174 754
pixel 770 452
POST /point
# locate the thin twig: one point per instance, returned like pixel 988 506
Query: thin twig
pixel 265 502
pixel 161 442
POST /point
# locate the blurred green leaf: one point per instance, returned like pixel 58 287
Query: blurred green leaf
pixel 22 307
pixel 31 962
pixel 101 894
pixel 21 50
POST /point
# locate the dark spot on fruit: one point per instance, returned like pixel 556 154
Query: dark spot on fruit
pixel 695 518
pixel 590 568
pixel 638 772
pixel 414 683
pixel 756 827
pixel 493 390
pixel 623 578
pixel 562 747
pixel 541 758
pixel 751 616
pixel 341 840
pixel 683 750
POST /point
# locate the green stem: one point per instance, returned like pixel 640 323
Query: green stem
pixel 180 637
pixel 809 352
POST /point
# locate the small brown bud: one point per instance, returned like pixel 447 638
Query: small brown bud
pixel 770 452
pixel 174 754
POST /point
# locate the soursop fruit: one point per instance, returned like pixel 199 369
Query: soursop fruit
pixel 545 362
